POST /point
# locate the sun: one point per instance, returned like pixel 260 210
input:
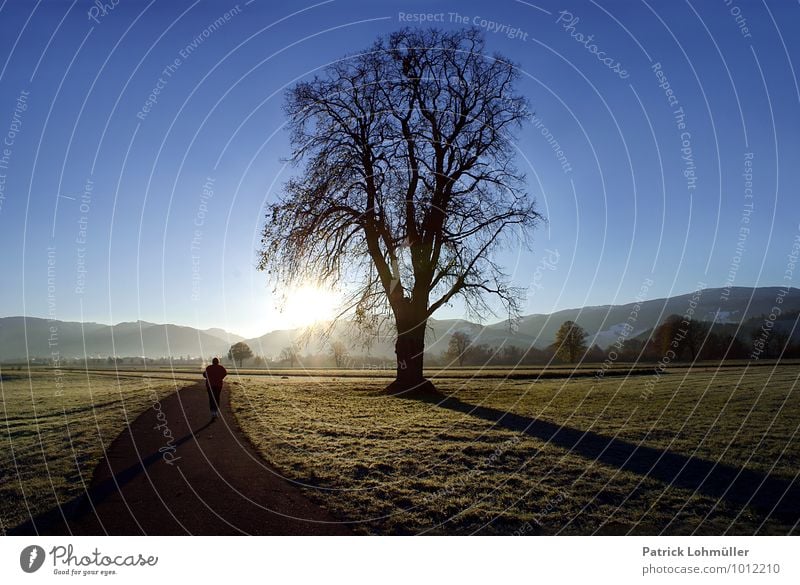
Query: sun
pixel 307 305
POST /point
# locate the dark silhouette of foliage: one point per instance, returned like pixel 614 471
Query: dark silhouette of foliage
pixel 595 354
pixel 570 343
pixel 458 346
pixel 239 352
pixel 684 337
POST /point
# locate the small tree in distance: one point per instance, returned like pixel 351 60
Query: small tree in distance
pixel 460 342
pixel 570 343
pixel 290 353
pixel 339 353
pixel 239 352
pixel 682 336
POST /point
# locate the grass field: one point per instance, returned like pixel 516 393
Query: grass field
pixel 477 372
pixel 54 432
pixel 501 455
pixel 563 460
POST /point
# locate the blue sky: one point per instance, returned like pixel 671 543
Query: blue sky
pixel 75 90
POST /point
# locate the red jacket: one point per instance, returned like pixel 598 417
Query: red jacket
pixel 215 374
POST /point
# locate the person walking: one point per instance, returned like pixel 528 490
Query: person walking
pixel 214 375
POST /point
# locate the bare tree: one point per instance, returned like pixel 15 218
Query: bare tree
pixel 290 353
pixel 408 187
pixel 458 345
pixel 339 353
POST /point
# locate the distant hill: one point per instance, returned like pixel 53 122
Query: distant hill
pixel 140 338
pixel 603 323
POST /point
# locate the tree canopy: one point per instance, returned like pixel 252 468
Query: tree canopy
pixel 570 343
pixel 408 185
pixel 239 352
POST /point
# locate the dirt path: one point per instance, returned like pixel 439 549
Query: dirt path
pixel 176 472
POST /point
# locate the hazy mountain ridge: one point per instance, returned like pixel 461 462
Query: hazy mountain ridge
pixel 71 339
pixel 742 304
pixel 603 323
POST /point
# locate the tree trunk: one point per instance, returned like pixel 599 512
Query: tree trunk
pixel 410 350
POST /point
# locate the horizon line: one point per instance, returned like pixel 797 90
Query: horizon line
pixel 47 318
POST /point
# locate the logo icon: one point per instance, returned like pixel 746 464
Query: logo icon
pixel 31 558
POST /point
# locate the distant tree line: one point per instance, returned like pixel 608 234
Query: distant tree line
pixel 757 338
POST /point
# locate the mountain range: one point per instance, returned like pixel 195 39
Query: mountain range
pixel 22 337
pixel 27 337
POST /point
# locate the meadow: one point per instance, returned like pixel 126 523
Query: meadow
pixel 55 427
pixel 500 452
pixel 568 456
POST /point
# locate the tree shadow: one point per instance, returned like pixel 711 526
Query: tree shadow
pixel 772 496
pixel 59 516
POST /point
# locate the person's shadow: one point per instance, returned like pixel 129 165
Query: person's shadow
pixel 772 496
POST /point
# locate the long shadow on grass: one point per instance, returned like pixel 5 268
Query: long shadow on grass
pixel 773 496
pixel 60 516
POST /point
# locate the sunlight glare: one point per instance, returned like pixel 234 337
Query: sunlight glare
pixel 308 305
